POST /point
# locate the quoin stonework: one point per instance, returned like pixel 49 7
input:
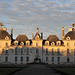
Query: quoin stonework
pixel 23 50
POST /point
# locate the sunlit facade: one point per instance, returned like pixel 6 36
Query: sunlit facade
pixel 37 50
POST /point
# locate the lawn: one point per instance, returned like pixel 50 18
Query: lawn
pixel 7 71
pixel 68 71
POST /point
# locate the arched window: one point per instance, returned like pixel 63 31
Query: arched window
pixel 68 59
pixel 6 44
pixel 47 44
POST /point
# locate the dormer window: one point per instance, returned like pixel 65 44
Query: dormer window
pixel 21 43
pixel 6 38
pixel 68 38
pixel 16 43
pixel 52 43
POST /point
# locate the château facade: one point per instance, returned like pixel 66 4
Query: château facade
pixel 37 50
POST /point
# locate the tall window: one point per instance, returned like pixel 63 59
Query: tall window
pixel 58 51
pixel 46 59
pixel 52 51
pixel 21 58
pixel 46 50
pixel 67 44
pixel 74 52
pixel 52 59
pixel 16 59
pixel 6 59
pixel 37 51
pixel 27 50
pixel 27 59
pixel 58 59
pixel 22 51
pixel 67 51
pixel 15 50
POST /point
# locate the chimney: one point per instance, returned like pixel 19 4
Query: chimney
pixel 33 35
pixel 63 33
pixel 41 35
pixel 11 33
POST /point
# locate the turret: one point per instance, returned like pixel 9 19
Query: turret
pixel 63 33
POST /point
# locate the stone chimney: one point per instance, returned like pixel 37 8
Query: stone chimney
pixel 41 35
pixel 63 33
pixel 11 33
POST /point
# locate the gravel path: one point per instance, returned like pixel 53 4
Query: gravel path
pixel 36 69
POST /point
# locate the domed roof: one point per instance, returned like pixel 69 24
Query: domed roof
pixel 52 38
pixel 22 38
pixel 4 34
pixel 70 34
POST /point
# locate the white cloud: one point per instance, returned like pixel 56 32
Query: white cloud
pixel 50 16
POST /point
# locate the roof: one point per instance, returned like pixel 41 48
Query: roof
pixel 52 38
pixel 3 34
pixel 70 34
pixel 22 38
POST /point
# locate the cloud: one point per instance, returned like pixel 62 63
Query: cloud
pixel 26 15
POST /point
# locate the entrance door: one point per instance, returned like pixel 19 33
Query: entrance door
pixel 37 60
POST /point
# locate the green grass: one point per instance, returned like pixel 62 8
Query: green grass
pixel 69 71
pixel 7 71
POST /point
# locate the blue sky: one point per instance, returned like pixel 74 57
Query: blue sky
pixel 26 15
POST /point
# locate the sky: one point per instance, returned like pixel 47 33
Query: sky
pixel 48 15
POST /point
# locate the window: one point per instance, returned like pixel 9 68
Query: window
pixel 27 50
pixel 6 44
pixel 36 44
pixel 27 59
pixel 58 59
pixel 21 51
pixel 67 51
pixel 47 44
pixel 52 59
pixel 15 50
pixel 6 59
pixel 67 44
pixel 46 59
pixel 74 44
pixel 46 50
pixel 6 51
pixel 58 51
pixel 37 51
pixel 27 43
pixel 15 58
pixel 52 51
pixel 21 58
